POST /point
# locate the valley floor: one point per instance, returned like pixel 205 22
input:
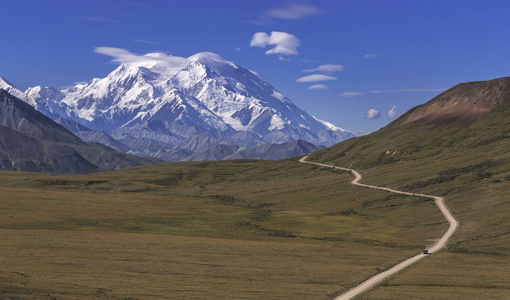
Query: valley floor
pixel 229 230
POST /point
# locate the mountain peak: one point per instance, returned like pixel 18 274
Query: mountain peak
pixel 212 60
pixel 207 57
pixel 200 94
pixel 11 89
pixel 4 81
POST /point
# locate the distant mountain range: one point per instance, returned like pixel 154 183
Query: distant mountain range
pixel 171 110
pixel 30 141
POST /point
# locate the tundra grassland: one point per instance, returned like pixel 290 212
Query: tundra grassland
pixel 205 230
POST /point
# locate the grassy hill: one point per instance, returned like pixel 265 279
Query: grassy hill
pixel 466 158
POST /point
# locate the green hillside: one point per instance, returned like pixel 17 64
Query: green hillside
pixel 465 159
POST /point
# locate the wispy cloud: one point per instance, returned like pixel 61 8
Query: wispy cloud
pixel 327 68
pixel 392 113
pixel 373 114
pixel 98 19
pixel 371 55
pixel 289 12
pixel 144 41
pixel 315 77
pixel 319 87
pixel 172 64
pixel 351 94
pixel 292 12
pixel 284 43
pixel 406 90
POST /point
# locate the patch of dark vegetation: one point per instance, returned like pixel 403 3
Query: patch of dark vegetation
pixel 174 178
pixel 260 214
pixel 383 159
pixel 463 250
pixel 345 212
pixel 436 180
pixel 502 136
pixel 91 182
pixel 266 231
pixel 261 205
pixel 319 282
pixel 482 175
pixel 278 233
pixel 50 182
pixel 224 199
pixel 386 199
pixel 360 241
pixel 136 190
pixel 485 165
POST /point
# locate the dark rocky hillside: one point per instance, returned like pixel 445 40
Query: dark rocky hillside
pixel 30 141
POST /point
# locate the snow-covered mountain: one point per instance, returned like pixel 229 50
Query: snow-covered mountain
pixel 166 103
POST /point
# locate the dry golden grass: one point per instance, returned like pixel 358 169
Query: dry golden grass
pixel 219 230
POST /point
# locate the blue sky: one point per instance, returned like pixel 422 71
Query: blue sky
pixel 383 55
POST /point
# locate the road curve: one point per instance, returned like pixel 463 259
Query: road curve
pixel 373 281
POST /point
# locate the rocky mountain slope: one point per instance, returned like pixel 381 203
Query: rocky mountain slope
pixel 466 102
pixel 30 141
pixel 264 151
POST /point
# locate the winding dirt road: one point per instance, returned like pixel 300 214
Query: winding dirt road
pixel 373 281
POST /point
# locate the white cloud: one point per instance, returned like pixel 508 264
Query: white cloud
pixel 319 87
pixel 171 65
pixel 373 114
pixel 122 56
pixel 292 12
pixel 327 68
pixel 285 43
pixel 392 113
pixel 406 90
pixel 351 94
pixel 281 58
pixel 315 77
pixel 371 55
pixel 238 49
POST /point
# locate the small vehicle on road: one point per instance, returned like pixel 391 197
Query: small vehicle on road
pixel 426 251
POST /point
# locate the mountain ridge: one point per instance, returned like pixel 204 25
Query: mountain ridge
pixel 30 141
pixel 183 97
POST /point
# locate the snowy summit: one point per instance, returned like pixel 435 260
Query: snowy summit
pixel 168 99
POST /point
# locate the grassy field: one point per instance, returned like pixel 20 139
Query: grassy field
pixel 215 230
